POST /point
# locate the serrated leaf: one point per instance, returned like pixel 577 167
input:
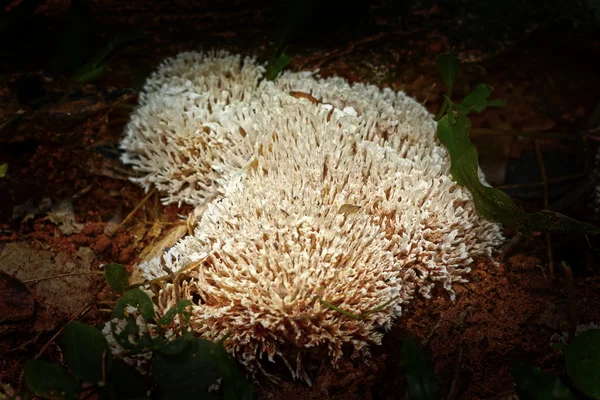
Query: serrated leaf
pixel 190 373
pixel 276 65
pixel 234 384
pixel 50 380
pixel 420 377
pixel 448 66
pixel 125 382
pixel 493 204
pixel 85 348
pixel 582 357
pixel 135 298
pixel 532 383
pixel 181 307
pixel 116 276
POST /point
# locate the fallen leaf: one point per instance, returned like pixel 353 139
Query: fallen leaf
pixel 16 301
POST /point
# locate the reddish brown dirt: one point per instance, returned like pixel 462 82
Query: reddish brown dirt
pixel 64 149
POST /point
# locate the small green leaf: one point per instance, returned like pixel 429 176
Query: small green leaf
pixel 532 383
pixel 448 66
pixel 125 382
pixel 116 276
pixel 234 384
pixel 276 65
pixel 3 170
pixel 181 307
pixel 189 373
pixel 50 380
pixel 420 377
pixel 135 298
pixel 493 204
pixel 86 347
pixel 582 357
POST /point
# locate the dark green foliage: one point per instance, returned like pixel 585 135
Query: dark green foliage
pixel 582 357
pixel 88 355
pixel 234 385
pixel 116 276
pixel 448 66
pixel 277 62
pixel 125 382
pixel 420 377
pixel 533 384
pixel 183 368
pixel 137 298
pixel 50 380
pixel 182 308
pixel 492 204
pixel 188 374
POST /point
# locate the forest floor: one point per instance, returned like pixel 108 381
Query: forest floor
pixel 68 207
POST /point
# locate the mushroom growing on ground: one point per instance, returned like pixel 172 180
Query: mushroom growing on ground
pixel 317 193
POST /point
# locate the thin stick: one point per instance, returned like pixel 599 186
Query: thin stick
pixel 81 313
pixel 455 376
pixel 430 334
pixel 62 276
pixel 540 160
pixel 532 185
pixel 532 135
pixel 570 300
pixel 327 56
pixel 132 213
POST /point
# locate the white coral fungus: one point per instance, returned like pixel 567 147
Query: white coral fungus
pixel 315 191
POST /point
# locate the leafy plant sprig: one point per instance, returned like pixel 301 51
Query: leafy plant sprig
pixel 182 368
pixel 492 204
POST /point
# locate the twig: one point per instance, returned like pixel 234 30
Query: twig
pixel 455 376
pixel 430 334
pixel 82 312
pixel 570 300
pixel 532 135
pixel 511 246
pixel 132 213
pixel 540 160
pixel 62 276
pixel 532 185
pixel 327 56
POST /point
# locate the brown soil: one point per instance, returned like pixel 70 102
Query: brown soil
pixel 61 145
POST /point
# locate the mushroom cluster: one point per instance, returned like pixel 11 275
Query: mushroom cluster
pixel 317 196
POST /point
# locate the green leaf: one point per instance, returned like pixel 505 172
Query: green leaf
pixel 50 380
pixel 448 66
pixel 493 204
pixel 125 382
pixel 116 276
pixel 137 298
pixel 181 307
pixel 532 383
pixel 174 347
pixel 97 66
pixel 582 357
pixel 234 384
pixel 190 373
pixel 130 329
pixel 3 170
pixel 276 65
pixel 420 377
pixel 86 347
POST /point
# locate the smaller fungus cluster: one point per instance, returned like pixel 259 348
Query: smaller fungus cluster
pixel 315 192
